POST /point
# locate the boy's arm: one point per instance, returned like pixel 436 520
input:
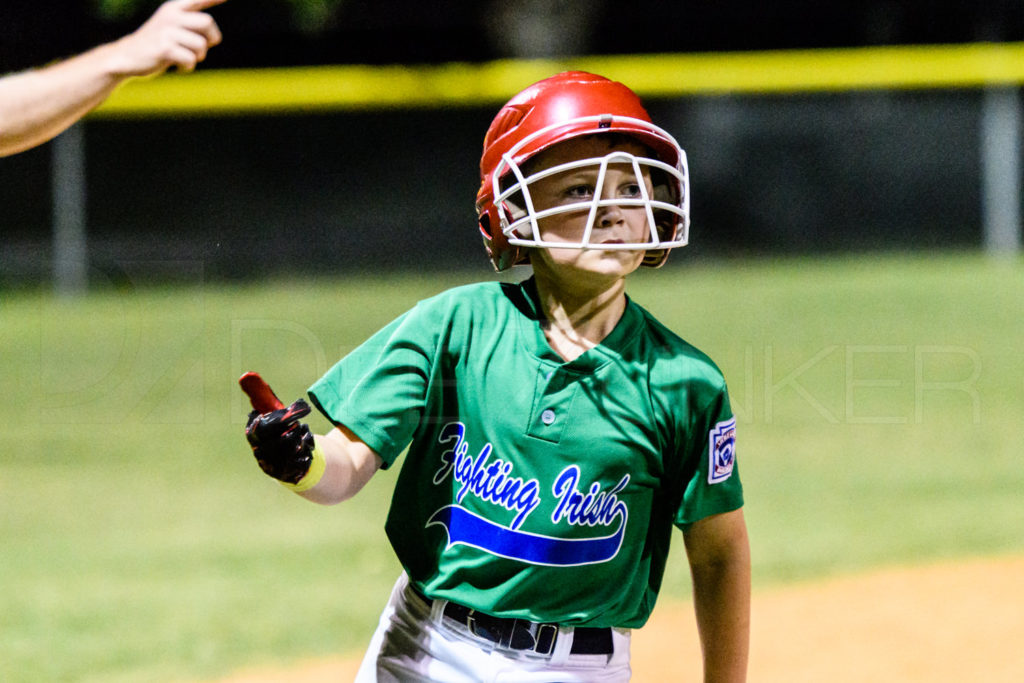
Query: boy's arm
pixel 39 104
pixel 348 466
pixel 719 555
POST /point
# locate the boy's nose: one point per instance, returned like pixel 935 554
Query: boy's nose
pixel 609 215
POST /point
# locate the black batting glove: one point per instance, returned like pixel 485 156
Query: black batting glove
pixel 283 446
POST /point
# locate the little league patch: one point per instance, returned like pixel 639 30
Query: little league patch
pixel 721 451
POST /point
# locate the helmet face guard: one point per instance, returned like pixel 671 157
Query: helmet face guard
pixel 665 203
pixel 567 106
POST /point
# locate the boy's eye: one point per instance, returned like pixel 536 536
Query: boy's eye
pixel 580 192
pixel 631 190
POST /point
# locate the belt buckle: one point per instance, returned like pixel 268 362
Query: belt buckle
pixel 481 631
pixel 514 634
pixel 529 636
pixel 546 636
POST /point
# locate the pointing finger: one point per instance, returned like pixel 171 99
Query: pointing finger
pixel 199 5
pixel 260 394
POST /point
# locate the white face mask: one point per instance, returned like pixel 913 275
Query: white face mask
pixel 595 186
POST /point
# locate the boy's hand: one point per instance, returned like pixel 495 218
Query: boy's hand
pixel 282 445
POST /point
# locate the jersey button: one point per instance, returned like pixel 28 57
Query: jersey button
pixel 548 416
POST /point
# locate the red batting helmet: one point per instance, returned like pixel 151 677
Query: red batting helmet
pixel 565 106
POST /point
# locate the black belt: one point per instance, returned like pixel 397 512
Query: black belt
pixel 520 634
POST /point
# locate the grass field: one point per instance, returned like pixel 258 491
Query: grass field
pixel 880 403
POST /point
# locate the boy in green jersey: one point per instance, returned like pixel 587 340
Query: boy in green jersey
pixel 556 431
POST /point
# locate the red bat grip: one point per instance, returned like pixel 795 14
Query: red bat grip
pixel 260 394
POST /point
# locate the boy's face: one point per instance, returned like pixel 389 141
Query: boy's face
pixel 612 223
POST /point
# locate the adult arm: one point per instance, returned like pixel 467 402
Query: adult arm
pixel 39 104
pixel 718 551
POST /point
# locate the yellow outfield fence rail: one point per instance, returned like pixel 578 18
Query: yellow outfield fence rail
pixel 352 87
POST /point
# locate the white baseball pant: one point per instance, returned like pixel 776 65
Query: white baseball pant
pixel 415 642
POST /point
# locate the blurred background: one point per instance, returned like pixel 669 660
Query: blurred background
pixel 846 170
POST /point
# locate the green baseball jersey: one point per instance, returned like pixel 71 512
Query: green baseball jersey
pixel 533 487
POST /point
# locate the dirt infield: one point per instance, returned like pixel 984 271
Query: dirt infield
pixel 944 623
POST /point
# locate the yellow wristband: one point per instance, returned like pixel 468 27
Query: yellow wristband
pixel 313 475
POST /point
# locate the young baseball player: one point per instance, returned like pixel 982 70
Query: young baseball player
pixel 556 431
